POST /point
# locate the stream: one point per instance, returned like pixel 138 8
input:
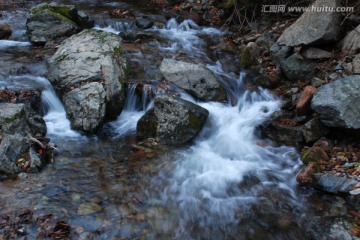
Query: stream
pixel 226 184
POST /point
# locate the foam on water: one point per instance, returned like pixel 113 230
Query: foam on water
pixel 225 178
pixel 107 29
pixel 185 35
pixel 4 44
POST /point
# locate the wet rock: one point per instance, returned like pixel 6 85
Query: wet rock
pixel 266 40
pixel 334 103
pixel 313 130
pixel 304 102
pixel 330 228
pixel 172 120
pixel 305 177
pixel 315 155
pixel 316 53
pixel 356 64
pixel 195 79
pixel 90 56
pixel 314 27
pixel 144 23
pixel 22 175
pixel 85 106
pixel 30 97
pixel 280 53
pixel 297 68
pixel 333 184
pixel 132 36
pixel 5 31
pixel 282 134
pixel 246 58
pixel 351 43
pixel 11 148
pixel 20 118
pixel 193 16
pixel 35 162
pixel 317 82
pixel 54 22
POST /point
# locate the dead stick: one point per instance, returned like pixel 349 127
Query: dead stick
pixel 36 141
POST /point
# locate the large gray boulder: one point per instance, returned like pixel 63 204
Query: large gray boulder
pixel 314 27
pixel 86 106
pixel 91 56
pixel 172 120
pixel 51 22
pixel 296 68
pixel 336 103
pixel 196 79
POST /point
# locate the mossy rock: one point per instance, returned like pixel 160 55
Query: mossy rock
pixel 246 60
pixel 67 11
pixel 173 121
pixel 314 154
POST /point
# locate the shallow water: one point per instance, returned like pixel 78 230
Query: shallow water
pixel 227 184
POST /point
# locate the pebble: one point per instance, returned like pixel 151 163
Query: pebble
pixel 22 175
pixel 355 192
pixel 348 164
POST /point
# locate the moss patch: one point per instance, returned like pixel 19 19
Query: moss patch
pixel 60 11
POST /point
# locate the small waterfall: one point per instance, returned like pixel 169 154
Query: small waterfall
pixel 185 36
pixel 54 112
pixel 229 183
pixel 134 108
pixel 116 26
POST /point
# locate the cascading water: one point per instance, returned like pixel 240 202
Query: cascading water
pixel 134 108
pixel 54 113
pixel 229 186
pixel 185 36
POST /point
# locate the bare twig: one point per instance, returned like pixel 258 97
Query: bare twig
pixel 35 141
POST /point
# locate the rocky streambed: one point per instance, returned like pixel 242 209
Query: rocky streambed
pixel 148 128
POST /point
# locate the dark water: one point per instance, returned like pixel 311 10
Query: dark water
pixel 227 184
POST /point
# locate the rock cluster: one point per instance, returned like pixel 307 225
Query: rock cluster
pixel 19 151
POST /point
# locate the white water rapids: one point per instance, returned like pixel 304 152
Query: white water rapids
pixel 230 182
pixel 230 177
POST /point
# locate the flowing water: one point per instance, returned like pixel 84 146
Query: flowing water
pixel 227 184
